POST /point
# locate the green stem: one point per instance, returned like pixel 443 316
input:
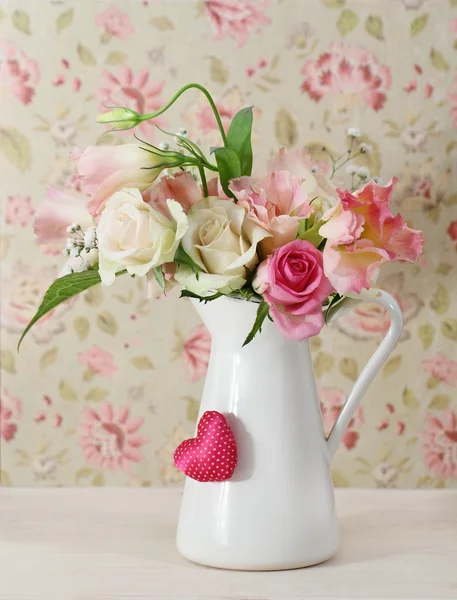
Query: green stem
pixel 178 94
pixel 203 178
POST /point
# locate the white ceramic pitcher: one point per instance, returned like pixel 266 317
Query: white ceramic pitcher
pixel 278 510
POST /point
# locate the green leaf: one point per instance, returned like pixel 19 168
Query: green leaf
pixel 286 130
pixel 440 402
pixel 449 329
pixel 115 58
pixel 339 480
pixel 409 399
pixel 64 20
pixel 229 167
pixel 107 322
pixel 374 27
pixel 60 291
pixel 21 21
pixel 86 56
pixel 217 70
pixel 205 299
pixel 81 326
pixel 95 394
pixel 312 234
pixel 262 313
pixel 323 363
pixel 81 473
pixel 48 358
pixel 392 365
pixel 5 479
pixel 98 480
pixel 16 148
pixel 438 60
pixel 158 276
pixel 347 22
pixel 7 362
pixel 418 24
pixel 142 363
pixel 348 367
pixel 162 23
pixel 239 138
pixel 443 268
pixel 440 300
pixel 182 258
pixel 426 335
pixel 67 392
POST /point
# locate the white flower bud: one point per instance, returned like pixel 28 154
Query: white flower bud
pixel 365 148
pixel 90 238
pixel 351 169
pixel 364 172
pixel 354 132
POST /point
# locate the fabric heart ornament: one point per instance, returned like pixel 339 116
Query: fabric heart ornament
pixel 212 455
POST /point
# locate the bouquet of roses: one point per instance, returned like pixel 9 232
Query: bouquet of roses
pixel 287 239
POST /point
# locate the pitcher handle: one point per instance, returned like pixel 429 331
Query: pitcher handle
pixel 372 367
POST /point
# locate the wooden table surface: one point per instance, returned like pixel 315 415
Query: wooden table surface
pixel 100 544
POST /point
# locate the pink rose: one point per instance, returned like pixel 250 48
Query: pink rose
pixel 236 18
pixel 10 414
pixel 292 282
pixel 195 352
pixel 105 170
pixel 440 444
pixel 276 203
pixel 180 187
pixel 57 211
pixel 115 22
pixel 362 235
pixel 442 368
pixel 452 230
pixel 19 210
pixel 98 361
pixel 332 400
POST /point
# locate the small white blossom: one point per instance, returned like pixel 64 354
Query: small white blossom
pixel 314 169
pixel 70 244
pixel 90 238
pixel 75 251
pixel 164 145
pixel 182 132
pixel 73 228
pixel 365 148
pixel 377 179
pixel 66 270
pixel 351 169
pixel 354 132
pixel 364 172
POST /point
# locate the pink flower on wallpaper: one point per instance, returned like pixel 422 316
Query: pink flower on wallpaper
pixel 370 321
pixel 138 92
pixel 98 361
pixel 109 437
pixel 452 230
pixel 452 98
pixel 439 444
pixel 115 23
pixel 195 352
pixel 19 210
pixel 347 69
pixel 22 293
pixel 236 18
pixel 332 399
pixel 10 414
pixel 18 73
pixel 442 368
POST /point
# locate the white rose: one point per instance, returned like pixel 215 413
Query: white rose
pixel 222 241
pixel 133 236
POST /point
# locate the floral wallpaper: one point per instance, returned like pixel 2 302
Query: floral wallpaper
pixel 106 387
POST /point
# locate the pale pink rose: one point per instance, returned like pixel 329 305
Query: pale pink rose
pixel 372 321
pixel 105 170
pixel 55 213
pixel 439 444
pixel 181 187
pixel 313 174
pixel 18 72
pixel 452 99
pixel 347 69
pixel 195 352
pixel 331 401
pixel 442 368
pixel 110 438
pixel 98 361
pixel 115 22
pixel 138 92
pixel 22 294
pixel 236 18
pixel 292 282
pixel 362 235
pixel 277 203
pixel 19 210
pixel 10 414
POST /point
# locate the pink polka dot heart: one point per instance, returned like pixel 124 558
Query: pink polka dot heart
pixel 212 455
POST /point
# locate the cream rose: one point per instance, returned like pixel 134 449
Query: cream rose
pixel 222 241
pixel 133 236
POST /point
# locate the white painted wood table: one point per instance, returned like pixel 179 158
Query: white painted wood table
pixel 118 544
